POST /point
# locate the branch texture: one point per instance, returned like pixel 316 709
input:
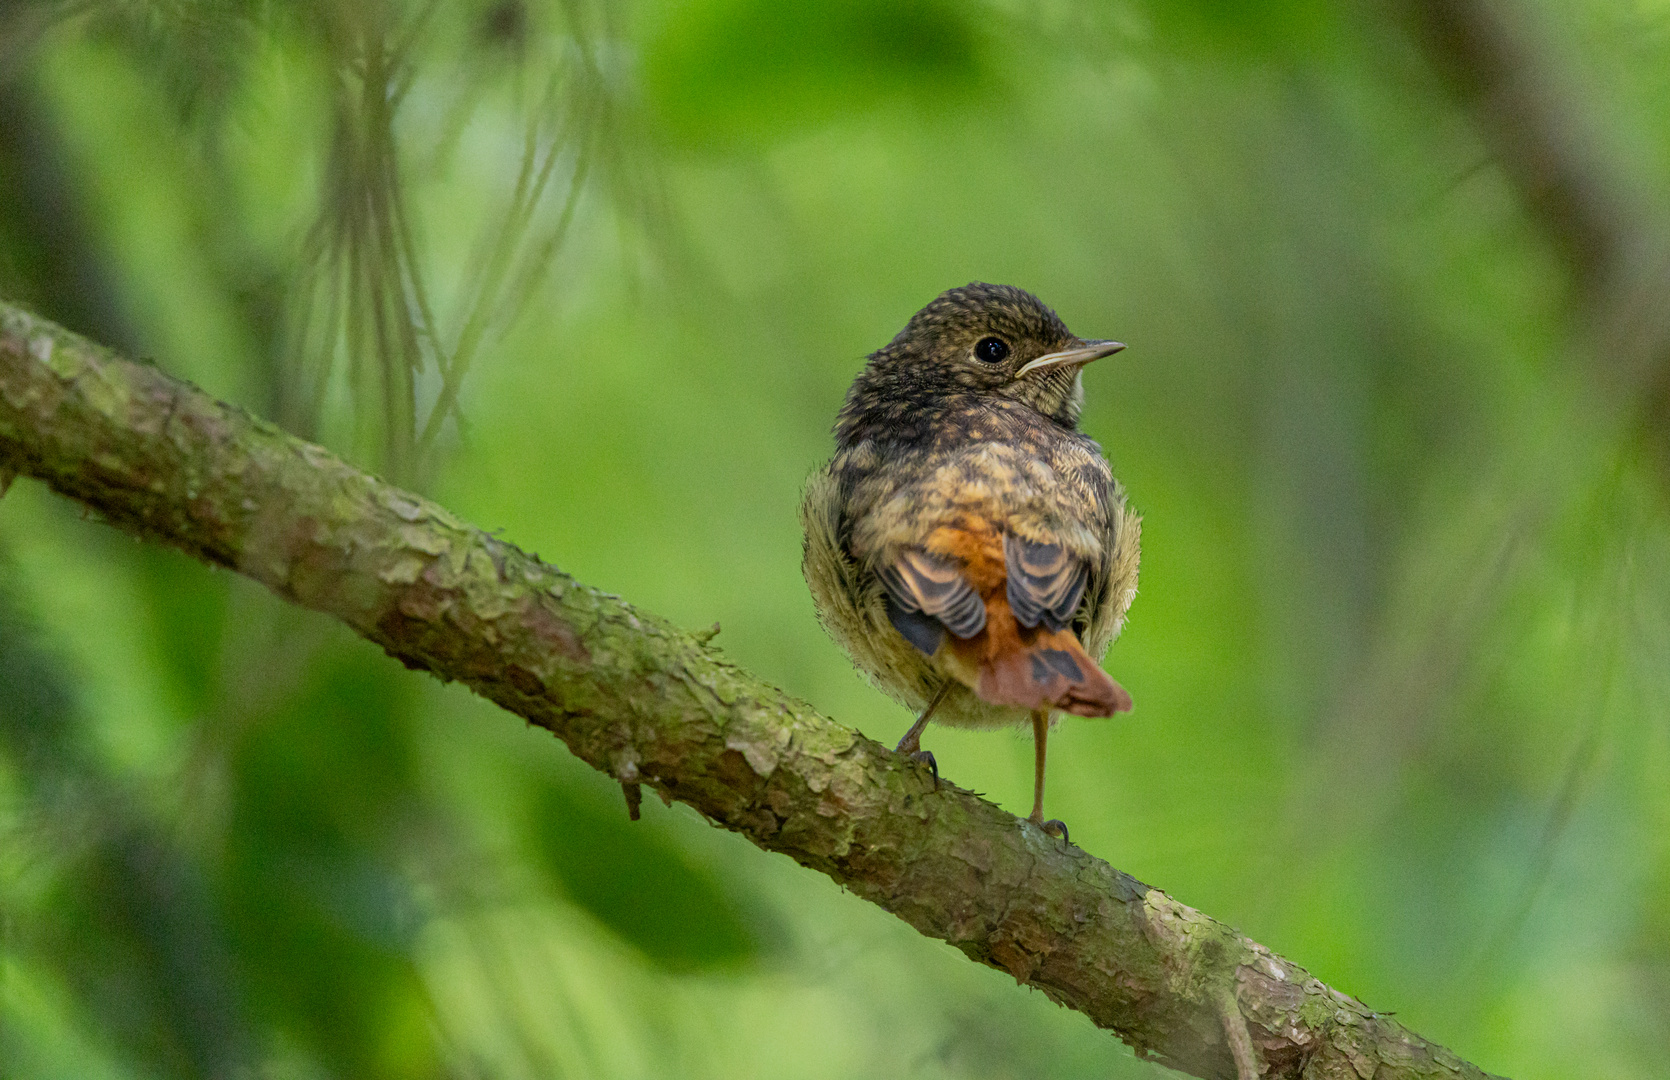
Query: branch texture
pixel 651 705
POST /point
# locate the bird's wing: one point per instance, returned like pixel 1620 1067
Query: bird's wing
pixel 920 584
pixel 1045 582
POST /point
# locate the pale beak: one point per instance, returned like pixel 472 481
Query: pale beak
pixel 1090 350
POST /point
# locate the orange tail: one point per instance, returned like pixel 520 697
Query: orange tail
pixel 1053 672
pixel 1011 664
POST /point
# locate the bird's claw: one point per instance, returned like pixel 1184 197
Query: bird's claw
pixel 1056 828
pixel 924 757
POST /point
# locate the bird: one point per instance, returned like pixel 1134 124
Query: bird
pixel 967 546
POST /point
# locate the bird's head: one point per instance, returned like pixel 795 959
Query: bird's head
pixel 990 340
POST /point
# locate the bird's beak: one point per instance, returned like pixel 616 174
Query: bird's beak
pixel 1086 352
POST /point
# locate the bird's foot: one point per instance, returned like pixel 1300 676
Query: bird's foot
pixel 924 757
pixel 1054 826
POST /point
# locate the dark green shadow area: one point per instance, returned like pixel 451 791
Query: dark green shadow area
pixel 678 914
pixel 750 71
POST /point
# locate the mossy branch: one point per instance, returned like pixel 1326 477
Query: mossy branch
pixel 652 705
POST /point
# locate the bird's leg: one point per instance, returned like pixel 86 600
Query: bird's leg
pixel 1040 737
pixel 912 742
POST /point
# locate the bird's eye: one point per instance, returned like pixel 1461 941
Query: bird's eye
pixel 992 350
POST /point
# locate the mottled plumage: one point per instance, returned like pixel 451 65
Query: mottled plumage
pixel 967 545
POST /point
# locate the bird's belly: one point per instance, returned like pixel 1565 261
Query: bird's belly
pixel 964 708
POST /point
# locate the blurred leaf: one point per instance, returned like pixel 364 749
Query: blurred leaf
pixel 188 622
pixel 743 71
pixel 323 917
pixel 128 918
pixel 1247 29
pixel 638 885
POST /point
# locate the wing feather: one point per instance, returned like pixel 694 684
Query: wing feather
pixel 920 582
pixel 1046 582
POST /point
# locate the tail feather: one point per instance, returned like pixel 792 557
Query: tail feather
pixel 1005 661
pixel 1053 672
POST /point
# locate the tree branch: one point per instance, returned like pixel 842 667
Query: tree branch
pixel 651 705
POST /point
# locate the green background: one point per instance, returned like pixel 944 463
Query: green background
pixel 1398 655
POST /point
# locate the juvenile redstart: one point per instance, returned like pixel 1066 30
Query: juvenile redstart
pixel 967 545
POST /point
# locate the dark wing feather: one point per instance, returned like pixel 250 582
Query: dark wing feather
pixel 1046 582
pixel 924 631
pixel 919 582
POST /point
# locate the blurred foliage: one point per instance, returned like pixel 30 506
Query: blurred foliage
pixel 737 73
pixel 599 277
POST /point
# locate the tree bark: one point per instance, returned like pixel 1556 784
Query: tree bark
pixel 651 705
